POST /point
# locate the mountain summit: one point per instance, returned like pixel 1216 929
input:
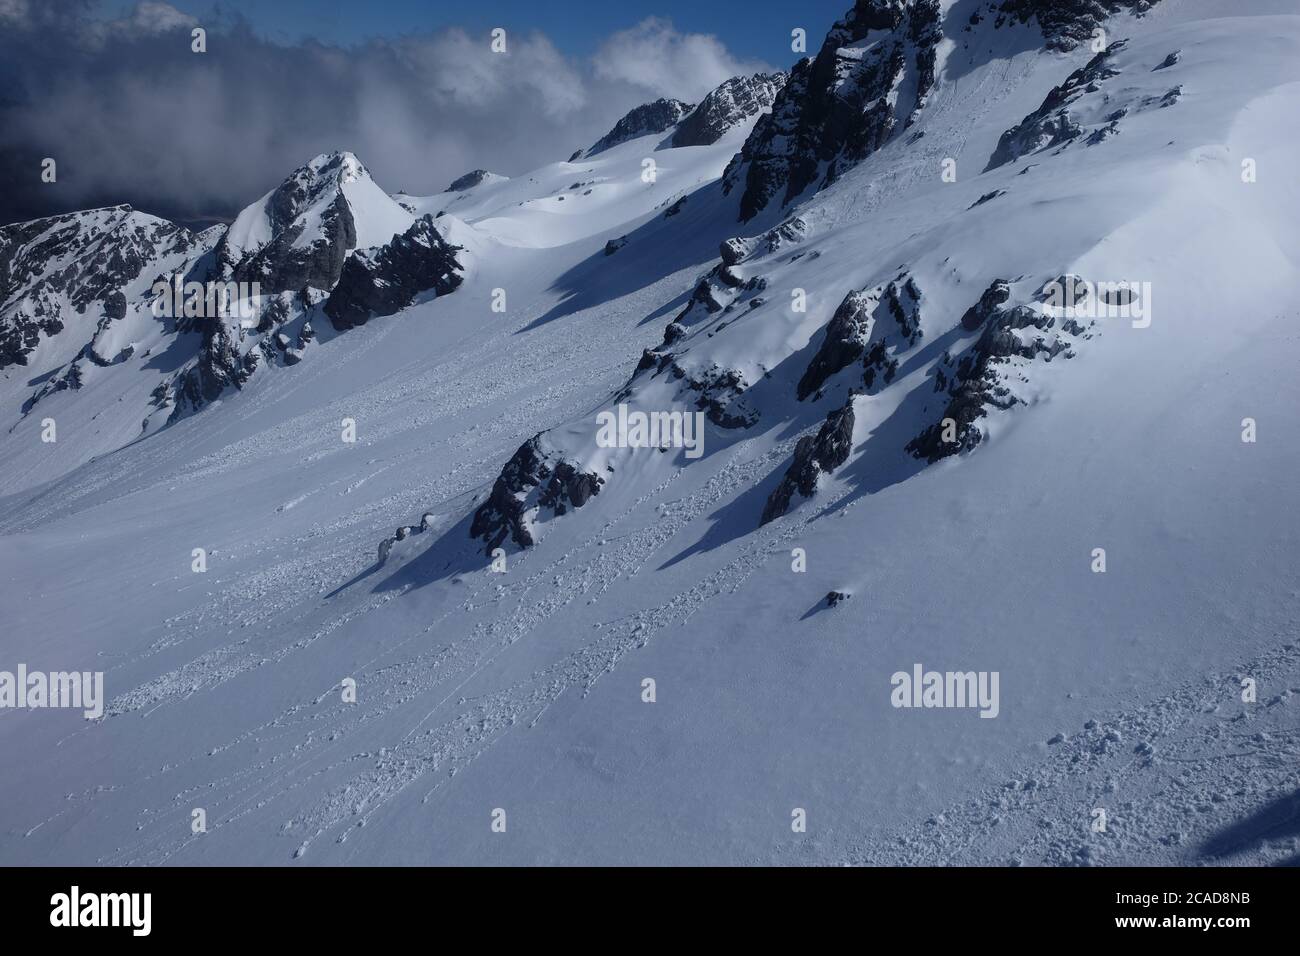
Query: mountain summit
pixel 298 234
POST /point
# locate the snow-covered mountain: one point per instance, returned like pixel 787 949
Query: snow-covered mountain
pixel 298 234
pixel 987 312
pixel 114 287
pixel 53 271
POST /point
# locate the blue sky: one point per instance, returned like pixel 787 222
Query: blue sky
pixel 750 28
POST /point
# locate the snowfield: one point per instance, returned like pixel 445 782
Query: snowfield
pixel 524 690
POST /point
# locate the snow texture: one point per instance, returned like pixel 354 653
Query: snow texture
pixel 826 283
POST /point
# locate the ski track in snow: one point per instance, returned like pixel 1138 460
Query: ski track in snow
pixel 457 740
pixel 1192 778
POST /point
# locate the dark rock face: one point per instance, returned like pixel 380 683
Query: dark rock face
pixel 835 108
pixel 733 250
pixel 846 337
pixel 814 456
pixel 101 251
pixel 675 208
pixel 532 482
pixel 975 383
pixel 706 298
pixel 281 268
pixel 871 325
pixel 70 379
pixel 1067 23
pixel 614 245
pixel 791 232
pixel 997 293
pixel 219 366
pixel 468 181
pixel 987 197
pixel 656 117
pixel 387 279
pixel 1051 124
pixel 115 306
pixel 727 106
pixel 226 357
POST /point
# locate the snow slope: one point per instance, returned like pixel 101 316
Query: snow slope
pixel 523 690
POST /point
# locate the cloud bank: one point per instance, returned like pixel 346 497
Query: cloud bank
pixel 131 114
pixel 655 57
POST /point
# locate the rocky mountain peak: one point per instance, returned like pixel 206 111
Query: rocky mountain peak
pixel 842 104
pixel 648 118
pixel 475 177
pixel 727 106
pixel 298 235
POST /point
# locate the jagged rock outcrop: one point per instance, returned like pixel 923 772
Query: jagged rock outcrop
pixel 872 325
pixel 387 279
pixel 843 104
pixel 734 250
pixel 719 393
pixel 814 456
pixel 1172 60
pixel 975 382
pixel 709 297
pixel 990 301
pixel 475 177
pixel 1067 23
pixel 656 117
pixel 219 365
pixel 298 243
pixel 726 107
pixel 987 197
pixel 845 341
pixel 1052 124
pixel 70 379
pixel 534 484
pixel 282 266
pixel 737 249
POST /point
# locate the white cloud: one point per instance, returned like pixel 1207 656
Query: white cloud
pixel 14 12
pixel 654 56
pixel 455 68
pixel 153 16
